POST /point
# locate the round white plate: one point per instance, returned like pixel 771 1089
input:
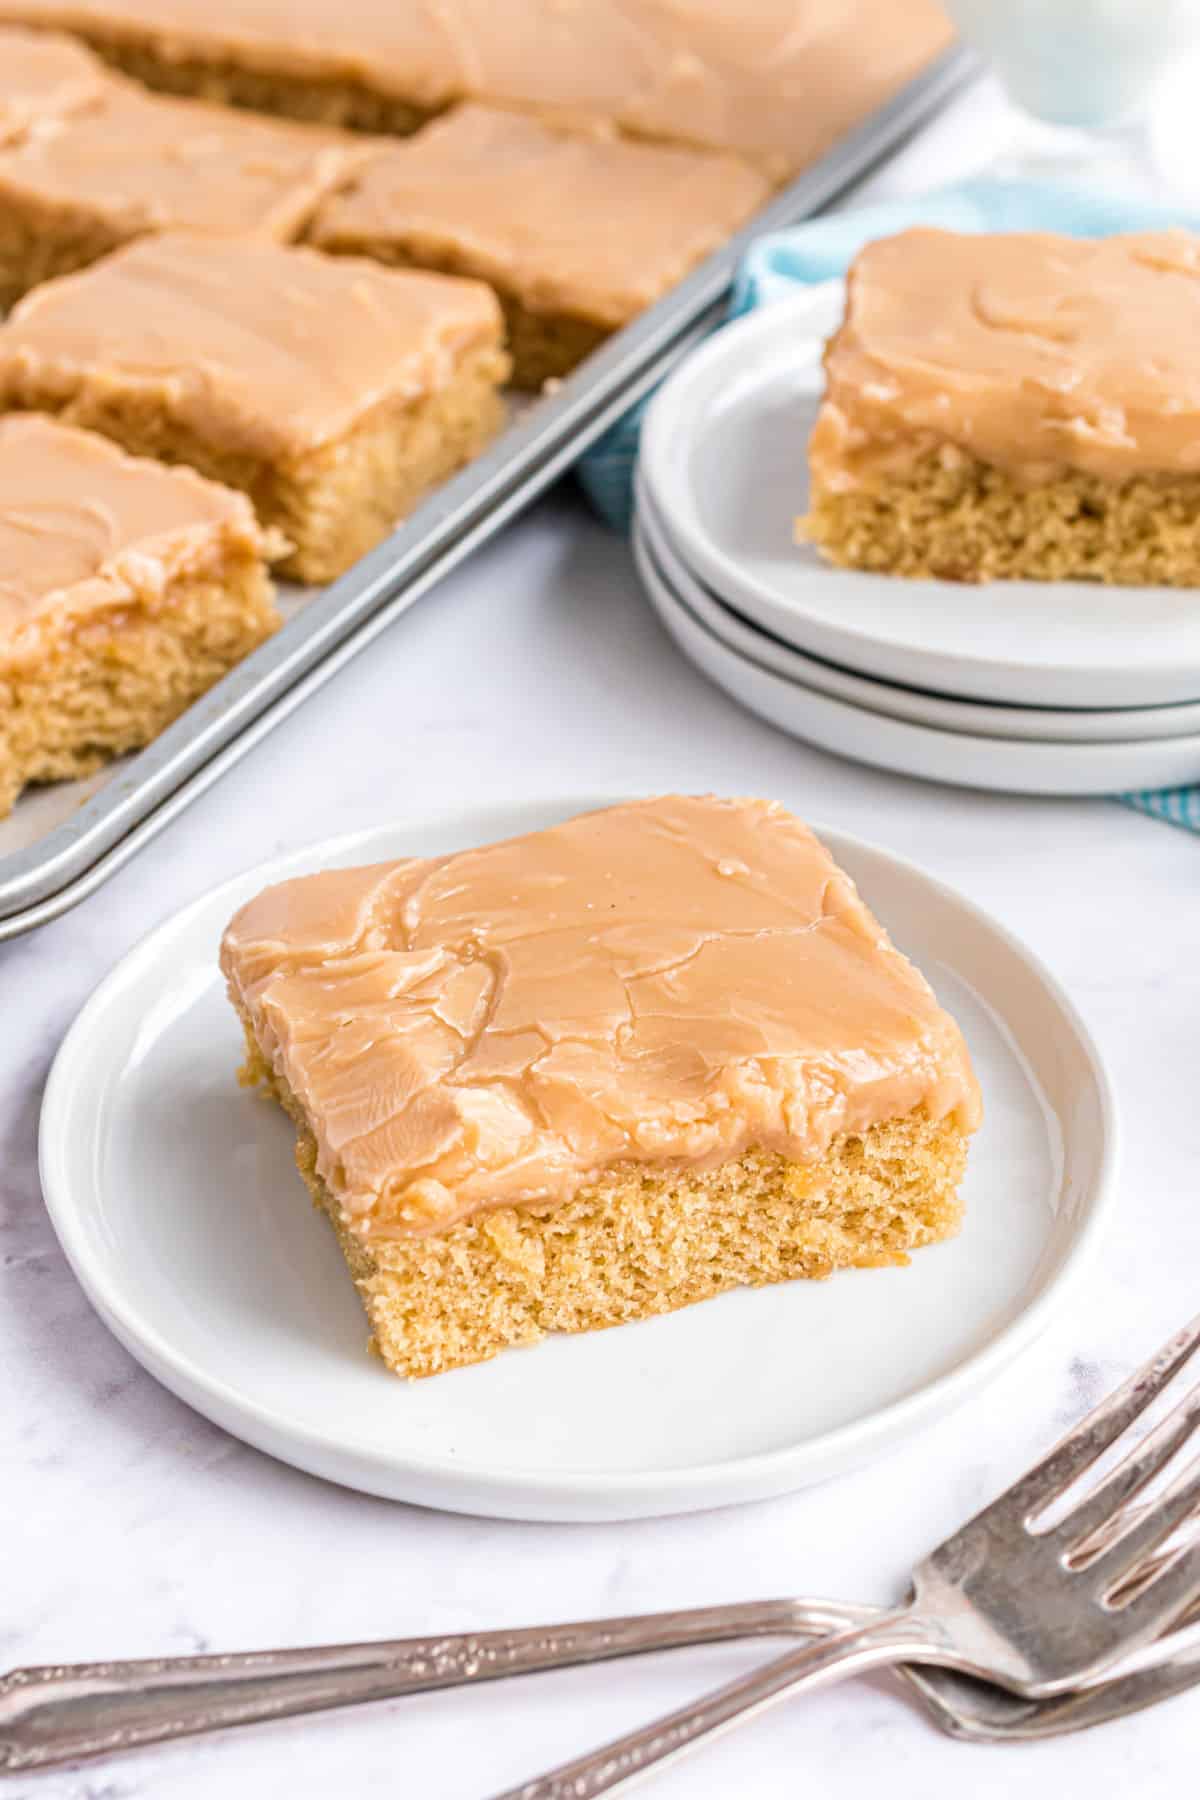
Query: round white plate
pixel 1116 725
pixel 723 457
pixel 176 1199
pixel 1002 765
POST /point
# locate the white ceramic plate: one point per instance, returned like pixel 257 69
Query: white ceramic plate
pixel 1001 765
pixel 176 1200
pixel 723 457
pixel 1115 725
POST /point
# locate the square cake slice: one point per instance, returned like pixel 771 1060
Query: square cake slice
pixel 599 1072
pixel 1017 405
pixel 331 391
pixel 131 163
pixel 126 590
pixel 577 233
pixel 777 80
pixel 43 77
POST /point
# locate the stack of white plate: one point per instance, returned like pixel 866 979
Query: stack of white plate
pixel 1034 687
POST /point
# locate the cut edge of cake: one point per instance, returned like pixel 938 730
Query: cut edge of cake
pixel 635 1244
pixel 326 500
pixel 856 1175
pixel 105 665
pixel 1018 434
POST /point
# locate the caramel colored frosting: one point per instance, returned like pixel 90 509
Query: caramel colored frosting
pixel 132 163
pixel 591 225
pixel 1035 353
pixel 260 347
pixel 669 983
pixel 43 77
pixel 779 80
pixel 86 529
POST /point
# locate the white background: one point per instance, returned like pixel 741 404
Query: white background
pixel 131 1527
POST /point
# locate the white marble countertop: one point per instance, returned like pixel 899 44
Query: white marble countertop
pixel 132 1527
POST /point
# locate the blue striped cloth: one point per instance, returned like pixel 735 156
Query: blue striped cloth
pixel 781 261
pixel 1178 806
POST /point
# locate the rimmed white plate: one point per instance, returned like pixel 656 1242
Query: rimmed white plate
pixel 999 765
pixel 176 1200
pixel 982 718
pixel 723 457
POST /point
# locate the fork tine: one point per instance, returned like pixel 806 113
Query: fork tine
pixel 1079 1449
pixel 1168 1599
pixel 1100 1507
pixel 1128 1586
pixel 1121 1559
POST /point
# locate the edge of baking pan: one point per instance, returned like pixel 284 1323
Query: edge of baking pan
pixel 43 879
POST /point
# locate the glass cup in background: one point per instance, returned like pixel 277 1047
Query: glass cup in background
pixel 1102 91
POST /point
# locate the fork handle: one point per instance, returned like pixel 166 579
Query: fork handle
pixel 889 1638
pixel 63 1713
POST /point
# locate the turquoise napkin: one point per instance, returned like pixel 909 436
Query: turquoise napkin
pixel 781 261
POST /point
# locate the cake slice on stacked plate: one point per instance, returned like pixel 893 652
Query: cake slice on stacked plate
pixel 1025 427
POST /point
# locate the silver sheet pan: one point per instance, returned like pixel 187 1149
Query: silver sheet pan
pixel 62 842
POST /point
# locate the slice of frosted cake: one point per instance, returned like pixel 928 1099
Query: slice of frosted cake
pixel 1018 405
pixel 126 590
pixel 331 391
pixel 599 1072
pixel 577 232
pixel 132 163
pixel 778 80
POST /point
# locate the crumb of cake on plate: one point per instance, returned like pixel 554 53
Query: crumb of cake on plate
pixel 599 1072
pixel 126 590
pixel 335 393
pixel 576 231
pixel 132 163
pixel 1014 405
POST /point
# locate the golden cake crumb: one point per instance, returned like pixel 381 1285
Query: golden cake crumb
pixel 954 518
pixel 635 1245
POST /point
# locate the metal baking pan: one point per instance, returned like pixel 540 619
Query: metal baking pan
pixel 63 841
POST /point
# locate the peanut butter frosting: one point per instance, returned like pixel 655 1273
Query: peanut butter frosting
pixel 779 80
pixel 134 163
pixel 668 983
pixel 43 77
pixel 86 529
pixel 591 225
pixel 1033 352
pixel 258 346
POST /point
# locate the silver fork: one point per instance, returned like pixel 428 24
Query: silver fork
pixel 1036 1611
pixel 62 1713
